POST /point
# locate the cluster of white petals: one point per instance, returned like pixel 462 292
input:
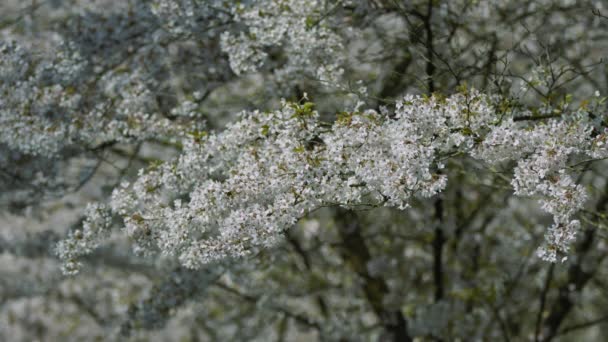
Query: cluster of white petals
pixel 542 152
pixel 41 108
pixel 82 241
pixel 298 27
pixel 234 192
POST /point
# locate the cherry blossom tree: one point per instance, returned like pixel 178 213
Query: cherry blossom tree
pixel 324 170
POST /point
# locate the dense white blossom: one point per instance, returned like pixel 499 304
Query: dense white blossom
pixel 95 228
pixel 542 152
pixel 297 26
pixel 239 190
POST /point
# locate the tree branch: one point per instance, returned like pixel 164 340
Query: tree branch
pixel 357 255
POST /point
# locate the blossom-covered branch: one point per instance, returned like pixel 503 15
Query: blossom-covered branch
pixel 234 192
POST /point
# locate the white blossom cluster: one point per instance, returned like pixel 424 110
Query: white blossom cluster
pixel 299 27
pixel 543 174
pixel 40 114
pixel 233 192
pixel 184 17
pixel 31 114
pixel 81 241
pixel 542 152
